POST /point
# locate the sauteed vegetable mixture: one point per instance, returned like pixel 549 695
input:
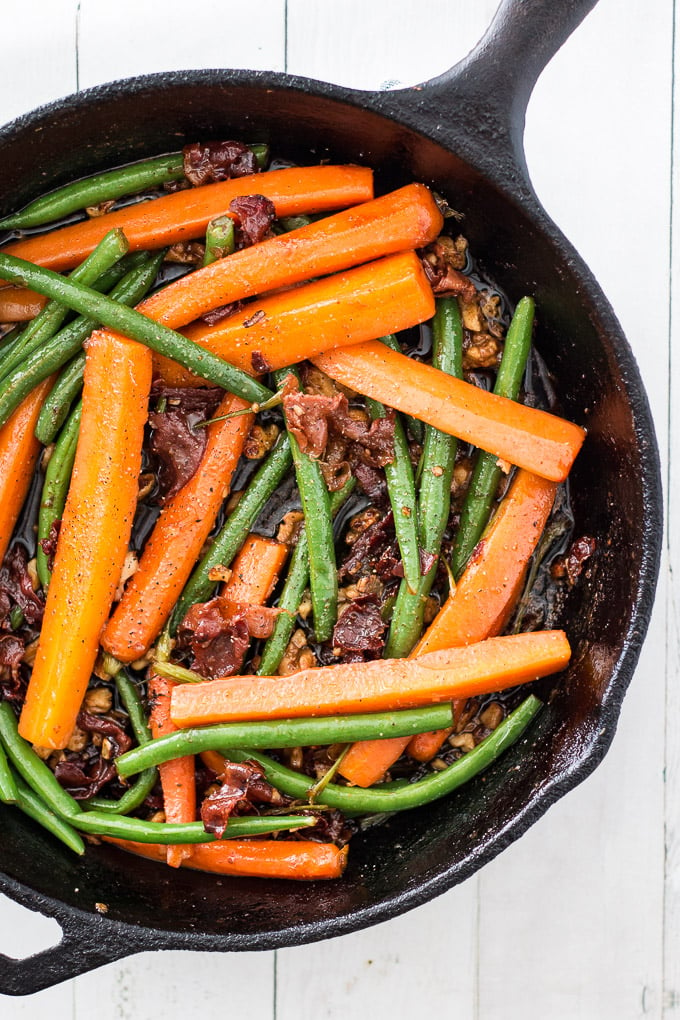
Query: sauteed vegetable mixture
pixel 281 542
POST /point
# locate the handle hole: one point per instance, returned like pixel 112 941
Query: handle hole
pixel 24 932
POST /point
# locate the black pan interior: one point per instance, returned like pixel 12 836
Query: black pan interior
pixel 615 492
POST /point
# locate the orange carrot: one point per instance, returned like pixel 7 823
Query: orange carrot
pixel 532 439
pixel 214 760
pixel 94 535
pixel 404 219
pixel 483 598
pixel 176 540
pixel 19 452
pixel 478 608
pixel 184 215
pixel 303 860
pixel 488 589
pixel 361 304
pixel 255 570
pixel 178 778
pixel 382 685
pixel 254 575
pixel 18 304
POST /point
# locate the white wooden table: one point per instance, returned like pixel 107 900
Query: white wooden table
pixel 580 918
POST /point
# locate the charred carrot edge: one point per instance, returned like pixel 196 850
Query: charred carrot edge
pixel 477 609
pixel 540 442
pixel 19 452
pixel 302 860
pixel 178 777
pixel 383 297
pixel 19 304
pixel 176 540
pixel 184 215
pixel 382 685
pixel 94 535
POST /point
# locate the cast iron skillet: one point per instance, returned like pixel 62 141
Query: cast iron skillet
pixel 461 132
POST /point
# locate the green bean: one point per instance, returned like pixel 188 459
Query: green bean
pixel 16 617
pixel 32 805
pixel 486 474
pixel 219 239
pixel 39 777
pixel 57 404
pixel 316 507
pixel 355 800
pixel 132 704
pixel 293 591
pixel 339 729
pixel 104 283
pixel 146 780
pixel 434 495
pixel 110 249
pixel 414 426
pixel 401 490
pixel 129 801
pixel 55 489
pixel 104 187
pixel 234 531
pixel 134 325
pixel 8 787
pixel 261 151
pixel 136 829
pixel 42 361
pixel 288 223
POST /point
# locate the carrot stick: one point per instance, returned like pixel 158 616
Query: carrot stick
pixel 19 304
pixel 184 215
pixel 487 591
pixel 255 570
pixel 303 860
pixel 214 760
pixel 540 442
pixel 361 304
pixel 176 540
pixel 19 452
pixel 478 608
pixel 402 220
pixel 177 776
pixel 382 685
pixel 94 535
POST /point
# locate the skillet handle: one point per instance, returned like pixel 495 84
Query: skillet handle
pixel 486 94
pixel 88 942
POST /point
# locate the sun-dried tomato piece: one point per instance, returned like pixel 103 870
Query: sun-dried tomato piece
pixel 16 588
pixel 207 162
pixel 218 633
pixel 360 627
pixel 243 784
pixel 175 440
pixel 253 217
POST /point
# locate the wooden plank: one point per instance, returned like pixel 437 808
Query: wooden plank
pixel 142 39
pixel 129 38
pixel 38 65
pixel 571 917
pixel 382 45
pixel 422 961
pixel 671 958
pixel 38 55
pixel 178 985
